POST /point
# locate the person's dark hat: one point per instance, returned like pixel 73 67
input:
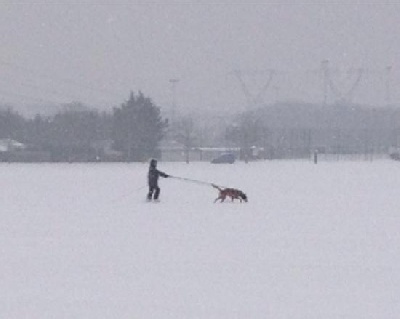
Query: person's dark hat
pixel 153 162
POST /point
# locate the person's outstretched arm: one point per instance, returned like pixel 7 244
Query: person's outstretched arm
pixel 162 174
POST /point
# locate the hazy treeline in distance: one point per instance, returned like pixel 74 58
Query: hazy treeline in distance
pixel 138 130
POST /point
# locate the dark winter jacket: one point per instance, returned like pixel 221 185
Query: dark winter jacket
pixel 153 176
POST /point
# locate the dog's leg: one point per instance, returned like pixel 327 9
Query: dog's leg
pixel 220 198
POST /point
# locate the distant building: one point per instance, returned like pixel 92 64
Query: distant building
pixel 172 151
pixel 8 145
pixel 105 152
pixel 14 151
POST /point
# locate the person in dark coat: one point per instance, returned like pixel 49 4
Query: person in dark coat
pixel 152 179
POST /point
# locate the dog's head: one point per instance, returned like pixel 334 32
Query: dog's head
pixel 243 196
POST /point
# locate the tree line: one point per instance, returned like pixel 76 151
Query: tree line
pixel 134 131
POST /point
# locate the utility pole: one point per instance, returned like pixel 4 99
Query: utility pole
pixel 174 83
pixel 388 88
pixel 325 75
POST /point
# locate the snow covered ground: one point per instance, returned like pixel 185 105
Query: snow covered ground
pixel 315 241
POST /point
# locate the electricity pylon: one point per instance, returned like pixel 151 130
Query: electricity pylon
pixel 342 95
pixel 255 99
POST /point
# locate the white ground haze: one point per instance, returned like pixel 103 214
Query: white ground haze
pixel 314 241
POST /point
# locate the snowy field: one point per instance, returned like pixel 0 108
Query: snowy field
pixel 314 242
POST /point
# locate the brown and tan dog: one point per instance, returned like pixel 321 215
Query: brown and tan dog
pixel 233 193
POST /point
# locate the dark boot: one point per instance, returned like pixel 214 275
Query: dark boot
pixel 150 194
pixel 157 193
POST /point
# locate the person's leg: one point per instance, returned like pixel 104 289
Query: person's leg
pixel 150 194
pixel 157 192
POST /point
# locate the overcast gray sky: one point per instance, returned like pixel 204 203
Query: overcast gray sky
pixel 97 52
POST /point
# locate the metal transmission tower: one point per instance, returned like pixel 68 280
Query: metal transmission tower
pixel 255 99
pixel 342 95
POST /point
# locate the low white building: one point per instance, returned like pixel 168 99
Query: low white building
pixel 8 144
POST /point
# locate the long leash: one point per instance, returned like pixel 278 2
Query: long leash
pixel 193 180
pixel 196 181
